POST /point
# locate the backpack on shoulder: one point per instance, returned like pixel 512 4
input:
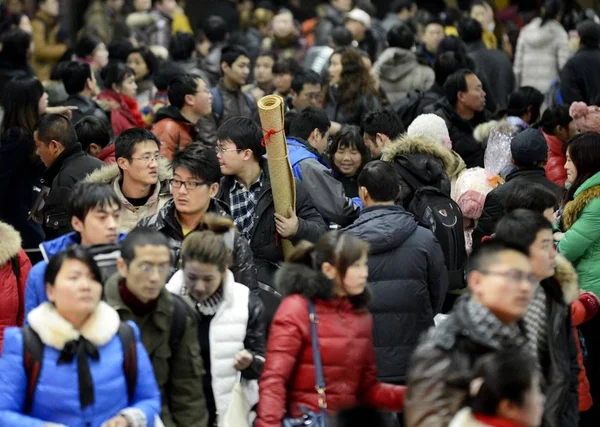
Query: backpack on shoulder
pixel 217 109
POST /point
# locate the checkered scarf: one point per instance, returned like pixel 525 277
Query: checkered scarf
pixel 536 324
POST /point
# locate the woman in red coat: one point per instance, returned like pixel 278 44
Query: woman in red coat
pixel 121 98
pixel 557 126
pixel 333 274
pixel 12 289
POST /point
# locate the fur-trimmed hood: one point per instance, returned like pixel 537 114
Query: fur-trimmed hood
pixel 482 132
pixel 140 19
pixel 108 173
pixel 566 276
pixel 11 242
pixel 55 331
pixel 574 208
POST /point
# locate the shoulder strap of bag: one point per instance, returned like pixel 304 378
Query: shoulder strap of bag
pixel 33 353
pixel 127 337
pixel 16 268
pixel 320 380
pixel 409 177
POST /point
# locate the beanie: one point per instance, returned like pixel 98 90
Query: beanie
pixel 587 118
pixel 432 127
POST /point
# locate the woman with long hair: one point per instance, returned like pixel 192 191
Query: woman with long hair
pixel 83 352
pixel 557 127
pixel 144 64
pixel 350 93
pixel 15 56
pixel 348 154
pixel 324 287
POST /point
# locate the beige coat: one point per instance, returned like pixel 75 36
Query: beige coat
pixel 47 50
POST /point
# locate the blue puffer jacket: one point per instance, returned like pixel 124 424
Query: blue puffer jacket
pixel 35 289
pixel 56 399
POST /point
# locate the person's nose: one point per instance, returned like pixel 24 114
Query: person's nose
pixel 111 222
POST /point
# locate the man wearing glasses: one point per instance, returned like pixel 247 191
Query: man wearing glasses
pixel 195 183
pixel 166 323
pixel 139 177
pixel 487 320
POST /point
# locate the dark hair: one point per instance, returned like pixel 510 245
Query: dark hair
pixel 305 78
pixel 433 21
pixel 200 161
pixel 58 128
pixel 487 253
pixel 20 101
pixel 86 45
pixel 446 64
pixel 182 46
pixel 127 140
pixel 401 36
pixel 206 247
pixel 307 120
pixel 181 86
pixel 470 30
pixel 141 236
pixel 400 5
pixel 521 226
pixel 552 9
pixel 385 121
pixel 149 58
pixel 456 83
pixel 350 136
pixel 341 36
pixel 556 115
pixel 287 66
pixel 215 29
pixel 72 252
pixel 166 72
pixel 11 22
pixel 92 130
pixel 86 196
pixel 584 150
pixel 524 99
pixel 381 181
pixel 533 196
pixel 115 73
pixel 118 50
pixel 244 133
pixel 75 76
pixel 454 44
pixel 231 53
pixel 507 374
pixel 15 47
pixel 288 119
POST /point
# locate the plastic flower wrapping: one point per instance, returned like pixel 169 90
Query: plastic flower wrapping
pixel 497 154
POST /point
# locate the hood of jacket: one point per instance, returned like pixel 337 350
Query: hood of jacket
pixel 11 242
pixel 588 191
pixel 538 37
pixel 383 227
pixel 170 112
pixel 566 276
pixel 107 152
pixel 396 64
pixel 108 173
pixel 555 145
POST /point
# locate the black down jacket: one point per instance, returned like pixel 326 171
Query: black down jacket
pixel 408 280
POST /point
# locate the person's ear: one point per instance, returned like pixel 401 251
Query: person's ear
pixel 363 193
pixel 189 99
pixel 329 271
pixel 508 410
pixel 225 67
pixel 77 224
pixel 214 189
pixel 116 88
pixel 123 163
pixel 50 292
pixel 122 267
pixel 55 146
pixel 474 279
pixel 247 154
pixel 314 135
pixel 94 150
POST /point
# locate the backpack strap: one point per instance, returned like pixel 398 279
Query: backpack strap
pixel 16 268
pixel 178 324
pixel 217 108
pixel 33 353
pixel 408 177
pixel 130 368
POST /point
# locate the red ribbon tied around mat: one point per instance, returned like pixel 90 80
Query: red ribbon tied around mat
pixel 266 140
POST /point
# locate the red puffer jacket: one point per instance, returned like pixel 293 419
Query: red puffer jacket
pixel 346 345
pixel 12 292
pixel 555 167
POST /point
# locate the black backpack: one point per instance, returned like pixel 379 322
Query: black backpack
pixel 413 105
pixel 439 213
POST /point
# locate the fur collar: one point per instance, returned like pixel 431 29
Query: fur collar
pixel 108 173
pixel 566 276
pixel 55 331
pixel 574 208
pixel 482 132
pixel 11 242
pixel 415 144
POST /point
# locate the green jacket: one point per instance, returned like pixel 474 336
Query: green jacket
pixel 180 377
pixel 581 242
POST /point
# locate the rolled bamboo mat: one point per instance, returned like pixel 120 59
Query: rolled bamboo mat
pixel 271 112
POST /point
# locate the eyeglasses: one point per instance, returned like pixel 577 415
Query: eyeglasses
pixel 226 150
pixel 514 276
pixel 189 185
pixel 147 158
pixel 163 269
pixel 314 96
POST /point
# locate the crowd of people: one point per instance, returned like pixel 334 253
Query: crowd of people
pixel 438 264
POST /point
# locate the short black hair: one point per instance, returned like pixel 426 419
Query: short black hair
pixel 149 58
pixel 381 181
pixel 181 86
pixel 215 29
pixel 385 121
pixel 167 71
pixel 58 128
pixel 15 47
pixel 142 236
pixel 200 161
pixel 75 252
pixel 86 45
pixel 400 5
pixel 288 119
pixel 231 53
pixel 469 30
pixel 524 99
pixel 305 77
pixel 115 73
pixel 287 66
pixel 445 65
pixel 182 46
pixel 455 83
pixel 75 76
pixel 86 196
pixel 92 130
pixel 401 36
pixel 118 50
pixel 127 140
pixel 341 36
pixel 488 251
pixel 244 133
pixel 307 120
pixel 521 226
pixel 533 196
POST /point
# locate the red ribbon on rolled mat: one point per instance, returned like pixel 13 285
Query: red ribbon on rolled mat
pixel 266 140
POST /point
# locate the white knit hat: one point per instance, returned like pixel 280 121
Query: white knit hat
pixel 430 126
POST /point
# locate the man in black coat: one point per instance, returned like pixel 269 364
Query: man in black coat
pixel 408 277
pixel 579 79
pixel 529 153
pixel 67 163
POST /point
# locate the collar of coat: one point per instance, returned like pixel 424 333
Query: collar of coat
pixel 55 331
pixel 566 278
pixel 108 173
pixel 56 166
pixel 574 208
pixel 11 242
